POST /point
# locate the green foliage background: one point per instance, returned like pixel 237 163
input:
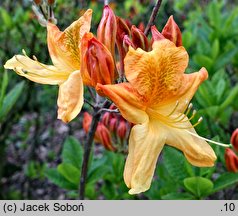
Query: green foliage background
pixel 41 157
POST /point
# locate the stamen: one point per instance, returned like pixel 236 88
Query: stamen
pixel 211 141
pixel 190 106
pixel 176 105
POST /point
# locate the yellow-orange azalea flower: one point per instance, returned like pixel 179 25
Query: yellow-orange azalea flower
pixel 64 49
pixel 155 100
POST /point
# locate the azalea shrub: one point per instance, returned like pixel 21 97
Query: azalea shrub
pixel 161 130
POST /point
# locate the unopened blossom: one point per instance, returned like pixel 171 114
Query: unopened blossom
pixel 64 49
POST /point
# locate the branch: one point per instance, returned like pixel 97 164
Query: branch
pixel 152 17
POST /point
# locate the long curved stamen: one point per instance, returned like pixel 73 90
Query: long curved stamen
pixel 176 105
pixel 208 140
pixel 183 115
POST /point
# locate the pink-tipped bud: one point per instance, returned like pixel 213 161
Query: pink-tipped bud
pixel 97 64
pixel 113 124
pixel 156 35
pixel 122 129
pixel 234 139
pixel 107 29
pixel 139 39
pixel 231 160
pixel 172 32
pixel 127 43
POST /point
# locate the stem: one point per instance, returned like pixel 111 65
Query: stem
pixel 88 148
pixel 152 17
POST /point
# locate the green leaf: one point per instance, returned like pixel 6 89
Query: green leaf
pixel 72 152
pixel 3 88
pixel 203 60
pixel 225 58
pixel 215 49
pixel 70 172
pixel 178 196
pixel 97 170
pixel 231 98
pixel 6 17
pixel 224 181
pixel 54 176
pixel 176 164
pixel 199 186
pixel 10 99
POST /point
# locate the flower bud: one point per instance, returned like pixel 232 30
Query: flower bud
pixel 172 32
pixel 113 124
pixel 97 64
pixel 51 2
pixel 122 30
pixel 139 39
pixel 127 43
pixel 231 160
pixel 122 129
pixel 37 2
pixel 156 35
pixel 106 118
pixel 234 139
pixel 87 119
pixel 107 29
pixel 104 137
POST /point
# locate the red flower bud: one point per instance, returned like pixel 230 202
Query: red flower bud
pixel 172 32
pixel 106 118
pixel 87 119
pixel 231 160
pixel 122 129
pixel 139 39
pixel 107 29
pixel 234 139
pixel 97 64
pixel 104 137
pixel 113 124
pixel 127 43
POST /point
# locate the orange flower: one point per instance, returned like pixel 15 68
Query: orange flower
pixel 156 99
pixel 64 49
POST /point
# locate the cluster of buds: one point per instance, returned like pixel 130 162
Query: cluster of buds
pixel 43 10
pixel 112 131
pixel 231 157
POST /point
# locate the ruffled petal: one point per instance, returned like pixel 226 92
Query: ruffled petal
pixel 184 95
pixel 70 99
pixel 36 71
pixel 145 144
pixel 157 75
pixel 197 151
pixel 64 47
pixel 127 99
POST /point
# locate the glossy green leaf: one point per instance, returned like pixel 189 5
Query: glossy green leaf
pixel 224 181
pixel 54 176
pixel 178 196
pixel 70 172
pixel 72 152
pixel 198 186
pixel 4 84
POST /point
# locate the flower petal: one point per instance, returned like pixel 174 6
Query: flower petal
pixel 36 71
pixel 64 47
pixel 145 144
pixel 127 99
pixel 197 151
pixel 157 74
pixel 191 83
pixel 70 99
